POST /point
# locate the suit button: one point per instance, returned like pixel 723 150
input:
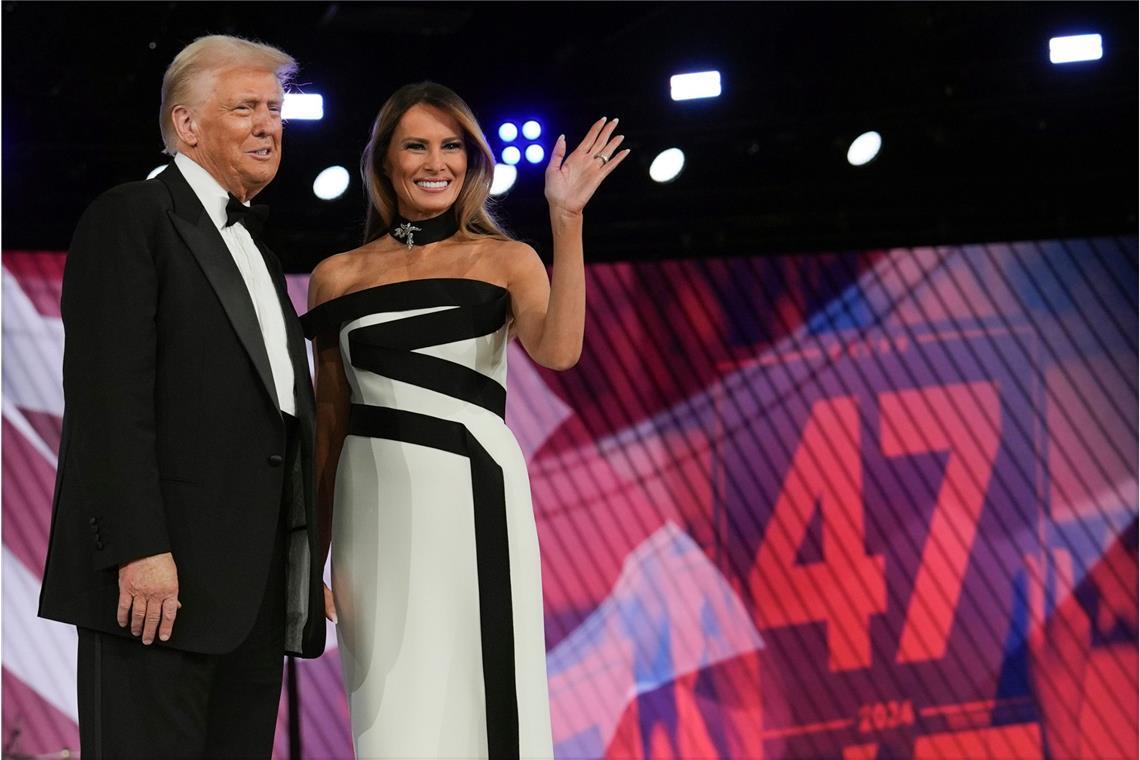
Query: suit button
pixel 98 544
pixel 94 521
pixel 275 460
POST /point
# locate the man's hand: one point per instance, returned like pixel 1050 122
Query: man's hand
pixel 148 596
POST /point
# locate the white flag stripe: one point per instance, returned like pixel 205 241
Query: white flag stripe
pixel 17 419
pixel 33 352
pixel 39 652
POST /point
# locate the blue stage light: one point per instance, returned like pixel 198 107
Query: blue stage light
pixel 535 153
pixel 532 130
pixel 508 131
pixel 511 155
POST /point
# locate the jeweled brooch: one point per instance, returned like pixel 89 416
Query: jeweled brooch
pixel 404 231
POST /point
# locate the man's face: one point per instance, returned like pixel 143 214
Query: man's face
pixel 238 126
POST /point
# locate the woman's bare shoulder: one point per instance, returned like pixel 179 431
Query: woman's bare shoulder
pixel 334 275
pixel 510 257
pixel 505 247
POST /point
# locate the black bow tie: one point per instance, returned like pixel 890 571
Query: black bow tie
pixel 253 217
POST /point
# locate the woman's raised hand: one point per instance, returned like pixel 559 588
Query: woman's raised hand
pixel 572 179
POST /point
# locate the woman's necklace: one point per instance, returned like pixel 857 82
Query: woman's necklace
pixel 425 231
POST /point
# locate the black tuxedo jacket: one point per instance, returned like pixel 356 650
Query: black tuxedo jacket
pixel 172 437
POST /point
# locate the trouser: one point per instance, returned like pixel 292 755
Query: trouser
pixel 140 701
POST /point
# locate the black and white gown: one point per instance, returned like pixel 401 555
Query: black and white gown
pixel 435 555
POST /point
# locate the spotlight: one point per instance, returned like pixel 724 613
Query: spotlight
pixel 534 153
pixel 1077 47
pixel 303 106
pixel 864 148
pixel 157 171
pixel 531 130
pixel 511 155
pixel 667 165
pixel 508 131
pixel 504 179
pixel 331 183
pixel 699 84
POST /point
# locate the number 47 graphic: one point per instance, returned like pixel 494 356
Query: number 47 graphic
pixel 848 585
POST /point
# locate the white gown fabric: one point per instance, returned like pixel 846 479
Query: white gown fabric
pixel 435 554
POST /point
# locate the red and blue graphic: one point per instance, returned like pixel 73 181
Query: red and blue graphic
pixel 860 505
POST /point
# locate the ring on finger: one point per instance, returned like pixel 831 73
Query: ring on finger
pixel 605 159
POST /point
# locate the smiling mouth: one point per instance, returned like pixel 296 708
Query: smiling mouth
pixel 433 184
pixel 261 152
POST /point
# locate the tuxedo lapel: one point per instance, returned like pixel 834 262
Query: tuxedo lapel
pixel 196 229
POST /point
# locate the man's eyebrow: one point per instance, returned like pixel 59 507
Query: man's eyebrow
pixel 254 98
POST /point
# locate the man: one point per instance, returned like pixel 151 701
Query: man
pixel 183 539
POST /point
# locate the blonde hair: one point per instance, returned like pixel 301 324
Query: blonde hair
pixel 209 55
pixel 471 207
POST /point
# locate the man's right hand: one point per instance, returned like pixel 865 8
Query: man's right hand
pixel 148 596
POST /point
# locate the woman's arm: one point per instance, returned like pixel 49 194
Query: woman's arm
pixel 550 316
pixel 332 399
pixel 332 395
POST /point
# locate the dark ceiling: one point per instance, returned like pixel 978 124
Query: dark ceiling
pixel 983 138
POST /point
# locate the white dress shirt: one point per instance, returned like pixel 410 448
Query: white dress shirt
pixel 249 262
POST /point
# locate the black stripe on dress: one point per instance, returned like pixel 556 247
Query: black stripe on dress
pixel 492 555
pixel 387 349
pixel 398 296
pixel 438 327
pixel 429 372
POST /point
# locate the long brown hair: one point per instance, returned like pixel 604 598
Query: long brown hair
pixel 471 206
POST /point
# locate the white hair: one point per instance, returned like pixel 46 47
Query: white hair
pixel 204 57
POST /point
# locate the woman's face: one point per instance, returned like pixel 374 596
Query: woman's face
pixel 426 162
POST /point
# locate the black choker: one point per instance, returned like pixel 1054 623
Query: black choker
pixel 427 231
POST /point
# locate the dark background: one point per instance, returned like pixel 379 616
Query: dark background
pixel 984 139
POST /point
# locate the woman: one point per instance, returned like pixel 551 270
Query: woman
pixel 420 483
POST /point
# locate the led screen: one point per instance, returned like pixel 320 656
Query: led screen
pixel 858 505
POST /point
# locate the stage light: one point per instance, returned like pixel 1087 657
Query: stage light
pixel 508 131
pixel 1077 47
pixel 535 153
pixel 532 130
pixel 303 106
pixel 157 171
pixel 864 148
pixel 699 84
pixel 511 155
pixel 667 165
pixel 504 178
pixel 331 183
